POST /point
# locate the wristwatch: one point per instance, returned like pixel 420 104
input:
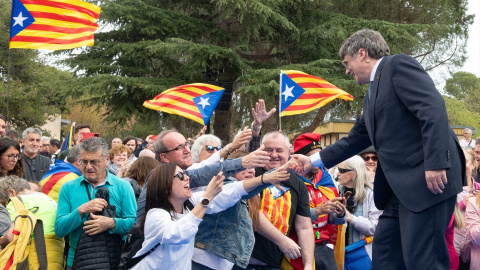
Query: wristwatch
pixel 205 202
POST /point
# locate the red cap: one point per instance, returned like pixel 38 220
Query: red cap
pixel 306 142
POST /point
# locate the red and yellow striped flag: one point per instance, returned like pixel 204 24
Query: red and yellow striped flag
pixel 195 101
pixel 52 24
pixel 301 93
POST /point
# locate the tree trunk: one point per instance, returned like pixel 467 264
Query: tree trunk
pixel 318 118
pixel 221 126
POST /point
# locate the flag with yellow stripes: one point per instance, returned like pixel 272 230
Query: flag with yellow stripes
pixel 52 24
pixel 196 101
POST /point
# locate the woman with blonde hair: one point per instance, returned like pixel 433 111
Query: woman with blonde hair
pixel 468 192
pixel 362 215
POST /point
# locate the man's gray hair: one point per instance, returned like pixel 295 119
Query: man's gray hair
pixel 277 133
pixel 371 41
pixel 94 145
pixel 73 155
pixel 45 138
pixel 31 130
pixel 200 143
pixel 158 145
pixel 14 182
pixel 467 130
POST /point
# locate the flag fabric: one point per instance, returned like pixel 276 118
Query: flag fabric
pixel 53 180
pixel 195 101
pixel 52 24
pixel 67 143
pixel 301 93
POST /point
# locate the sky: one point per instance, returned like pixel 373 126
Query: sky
pixel 472 65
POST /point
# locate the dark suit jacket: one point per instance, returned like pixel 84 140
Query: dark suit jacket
pixel 406 121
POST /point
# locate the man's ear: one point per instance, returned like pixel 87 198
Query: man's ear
pixel 107 158
pixel 11 193
pixel 163 158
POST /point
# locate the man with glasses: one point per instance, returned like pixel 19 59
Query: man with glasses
pixel 171 146
pixel 76 210
pixel 35 165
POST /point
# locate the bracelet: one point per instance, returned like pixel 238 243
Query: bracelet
pixel 255 129
pixel 261 179
pixel 226 151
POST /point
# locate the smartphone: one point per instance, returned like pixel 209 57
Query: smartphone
pixel 347 195
pixel 87 135
pixel 153 137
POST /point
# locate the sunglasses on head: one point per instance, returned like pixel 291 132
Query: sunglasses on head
pixel 367 158
pixel 181 175
pixel 344 170
pixel 210 148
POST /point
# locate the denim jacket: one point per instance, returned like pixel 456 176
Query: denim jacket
pixel 229 234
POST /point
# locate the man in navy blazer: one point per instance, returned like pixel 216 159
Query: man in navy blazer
pixel 421 166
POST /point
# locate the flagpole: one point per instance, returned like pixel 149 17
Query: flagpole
pixel 280 103
pixel 8 87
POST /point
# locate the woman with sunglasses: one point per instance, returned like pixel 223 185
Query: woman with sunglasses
pixel 173 213
pixel 207 149
pixel 370 157
pixel 10 158
pixel 362 215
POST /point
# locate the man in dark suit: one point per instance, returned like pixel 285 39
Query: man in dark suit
pixel 421 167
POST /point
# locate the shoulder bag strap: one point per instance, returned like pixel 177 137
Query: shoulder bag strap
pixel 40 245
pixel 88 192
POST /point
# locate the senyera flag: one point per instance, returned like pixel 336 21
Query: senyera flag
pixel 52 24
pixel 195 101
pixel 301 92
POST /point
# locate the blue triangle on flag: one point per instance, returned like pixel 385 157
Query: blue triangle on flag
pixel 207 103
pixel 290 91
pixel 21 18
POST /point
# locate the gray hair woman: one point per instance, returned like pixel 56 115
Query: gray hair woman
pixel 43 207
pixel 204 147
pixel 362 215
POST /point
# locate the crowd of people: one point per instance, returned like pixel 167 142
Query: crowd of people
pixel 257 202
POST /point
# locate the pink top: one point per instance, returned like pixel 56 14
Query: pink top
pixel 472 224
pixel 451 249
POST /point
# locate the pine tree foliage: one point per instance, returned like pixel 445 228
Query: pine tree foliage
pixel 31 88
pixel 148 46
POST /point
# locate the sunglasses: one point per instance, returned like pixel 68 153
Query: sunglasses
pixel 367 158
pixel 344 170
pixel 181 175
pixel 210 148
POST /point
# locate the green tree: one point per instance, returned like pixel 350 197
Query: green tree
pixel 32 89
pixel 463 102
pixel 148 46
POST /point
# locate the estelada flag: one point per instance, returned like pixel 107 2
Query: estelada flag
pixel 195 101
pixel 53 180
pixel 301 93
pixel 52 24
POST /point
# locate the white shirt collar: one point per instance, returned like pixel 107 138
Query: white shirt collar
pixel 374 70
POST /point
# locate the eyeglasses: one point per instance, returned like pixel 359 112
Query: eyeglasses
pixel 181 175
pixel 12 157
pixel 344 170
pixel 367 158
pixel 181 147
pixel 211 148
pixel 93 162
